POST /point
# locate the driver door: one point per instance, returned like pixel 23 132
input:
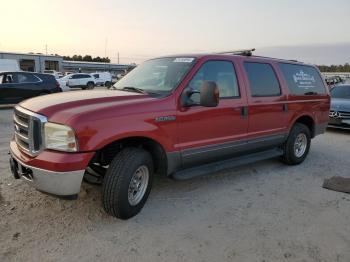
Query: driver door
pixel 210 133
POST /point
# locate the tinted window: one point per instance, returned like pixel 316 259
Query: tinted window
pixel 262 79
pixel 222 73
pixel 85 76
pixel 341 92
pixel 75 76
pixel 26 78
pixel 302 79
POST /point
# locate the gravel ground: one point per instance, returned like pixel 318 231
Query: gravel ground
pixel 262 212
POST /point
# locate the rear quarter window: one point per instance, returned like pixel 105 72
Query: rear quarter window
pixel 302 79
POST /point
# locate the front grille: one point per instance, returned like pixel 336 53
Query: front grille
pixel 344 115
pixel 28 130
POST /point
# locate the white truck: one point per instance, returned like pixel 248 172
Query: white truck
pixel 103 78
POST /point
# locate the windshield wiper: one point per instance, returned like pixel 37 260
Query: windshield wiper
pixel 133 89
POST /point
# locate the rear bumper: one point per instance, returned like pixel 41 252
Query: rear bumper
pixel 55 173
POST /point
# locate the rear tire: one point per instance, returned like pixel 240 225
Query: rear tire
pixel 120 195
pixel 297 146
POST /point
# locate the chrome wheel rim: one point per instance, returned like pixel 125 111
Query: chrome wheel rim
pixel 138 185
pixel 300 145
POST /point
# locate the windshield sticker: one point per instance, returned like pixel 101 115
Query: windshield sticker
pixel 183 60
pixel 304 80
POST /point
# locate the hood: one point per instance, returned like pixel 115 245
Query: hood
pixel 339 104
pixel 62 106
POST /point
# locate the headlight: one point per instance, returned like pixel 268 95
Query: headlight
pixel 60 137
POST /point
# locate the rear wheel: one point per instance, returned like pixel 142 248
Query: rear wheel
pixel 108 84
pixel 127 183
pixel 297 145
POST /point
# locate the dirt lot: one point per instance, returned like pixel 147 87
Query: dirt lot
pixel 263 212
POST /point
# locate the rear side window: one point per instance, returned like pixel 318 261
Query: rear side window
pixel 302 79
pixel 262 79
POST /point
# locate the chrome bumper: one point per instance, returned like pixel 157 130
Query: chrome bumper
pixel 52 182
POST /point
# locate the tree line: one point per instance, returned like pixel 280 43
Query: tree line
pixel 335 68
pixel 87 58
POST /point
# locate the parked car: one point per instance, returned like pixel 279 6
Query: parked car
pixel 9 65
pixel 17 86
pixel 81 80
pixel 180 117
pixel 56 74
pixel 63 82
pixel 103 78
pixel 339 115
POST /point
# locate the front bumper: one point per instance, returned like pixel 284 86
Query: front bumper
pixel 339 123
pixel 56 183
pixel 52 178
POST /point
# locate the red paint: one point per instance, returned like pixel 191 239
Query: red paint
pixel 101 117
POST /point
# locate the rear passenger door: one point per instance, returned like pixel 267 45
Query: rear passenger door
pixel 267 108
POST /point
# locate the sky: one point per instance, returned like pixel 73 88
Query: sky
pixel 310 31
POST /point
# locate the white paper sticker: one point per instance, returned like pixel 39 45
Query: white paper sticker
pixel 183 60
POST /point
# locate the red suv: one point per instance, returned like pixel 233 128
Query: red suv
pixel 181 116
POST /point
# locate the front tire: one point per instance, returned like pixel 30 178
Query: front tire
pixel 90 85
pixel 127 183
pixel 297 146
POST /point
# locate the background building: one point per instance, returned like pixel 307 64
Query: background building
pixel 40 62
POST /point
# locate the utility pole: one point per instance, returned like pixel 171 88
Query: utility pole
pixel 46 48
pixel 118 57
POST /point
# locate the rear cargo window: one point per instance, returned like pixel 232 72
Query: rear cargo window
pixel 262 79
pixel 302 79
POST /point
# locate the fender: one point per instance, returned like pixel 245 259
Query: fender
pixel 96 135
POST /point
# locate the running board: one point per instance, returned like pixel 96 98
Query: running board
pixel 226 164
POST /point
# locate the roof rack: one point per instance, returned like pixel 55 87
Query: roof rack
pixel 245 52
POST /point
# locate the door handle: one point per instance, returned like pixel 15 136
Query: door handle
pixel 243 111
pixel 285 107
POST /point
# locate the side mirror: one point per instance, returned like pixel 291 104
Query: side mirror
pixel 209 94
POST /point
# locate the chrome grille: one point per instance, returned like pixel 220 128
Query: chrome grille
pixel 28 130
pixel 344 115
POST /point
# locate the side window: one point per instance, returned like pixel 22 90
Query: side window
pixel 96 76
pixel 222 73
pixel 75 76
pixel 26 78
pixel 262 79
pixel 302 79
pixel 8 79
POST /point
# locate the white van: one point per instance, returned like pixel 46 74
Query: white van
pixel 102 78
pixel 9 65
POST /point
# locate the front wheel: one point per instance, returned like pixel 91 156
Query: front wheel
pixel 127 183
pixel 90 85
pixel 297 145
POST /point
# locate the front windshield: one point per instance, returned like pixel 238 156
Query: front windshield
pixel 160 75
pixel 341 92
